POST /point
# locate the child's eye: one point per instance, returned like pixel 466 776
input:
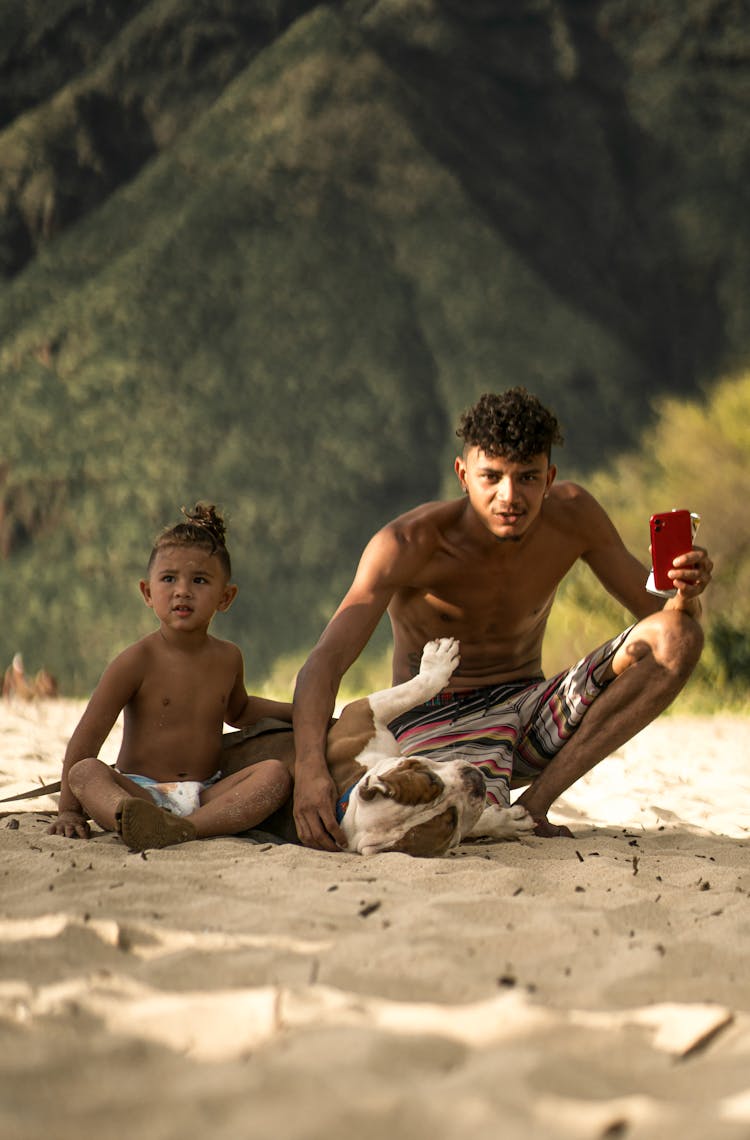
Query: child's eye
pixel 200 580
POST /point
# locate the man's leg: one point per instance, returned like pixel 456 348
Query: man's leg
pixel 649 670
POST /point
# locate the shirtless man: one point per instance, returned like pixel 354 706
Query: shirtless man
pixel 484 569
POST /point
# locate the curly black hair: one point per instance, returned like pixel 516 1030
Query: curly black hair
pixel 513 424
pixel 204 528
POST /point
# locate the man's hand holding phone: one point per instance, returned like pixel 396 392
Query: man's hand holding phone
pixel 680 570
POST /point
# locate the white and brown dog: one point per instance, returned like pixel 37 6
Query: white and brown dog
pixel 388 801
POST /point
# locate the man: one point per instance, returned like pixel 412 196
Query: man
pixel 484 569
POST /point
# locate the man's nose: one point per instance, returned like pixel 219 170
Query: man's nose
pixel 506 490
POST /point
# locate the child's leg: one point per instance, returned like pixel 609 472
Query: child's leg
pixel 100 790
pixel 231 805
pixel 242 800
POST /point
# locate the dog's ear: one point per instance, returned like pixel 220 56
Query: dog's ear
pixel 411 783
pixel 430 838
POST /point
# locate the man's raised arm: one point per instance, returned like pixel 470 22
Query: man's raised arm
pixel 624 576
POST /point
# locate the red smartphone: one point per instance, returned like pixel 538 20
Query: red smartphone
pixel 671 535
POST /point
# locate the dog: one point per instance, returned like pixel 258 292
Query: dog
pixel 388 801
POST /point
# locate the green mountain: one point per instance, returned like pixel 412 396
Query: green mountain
pixel 263 254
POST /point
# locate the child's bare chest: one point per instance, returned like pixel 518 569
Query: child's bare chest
pixel 182 693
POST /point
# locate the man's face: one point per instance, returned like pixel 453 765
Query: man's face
pixel 505 494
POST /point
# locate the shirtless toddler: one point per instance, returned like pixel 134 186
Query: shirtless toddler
pixel 178 687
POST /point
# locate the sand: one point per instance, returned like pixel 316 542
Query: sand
pixel 595 987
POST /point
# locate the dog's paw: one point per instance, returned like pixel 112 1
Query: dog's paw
pixel 503 823
pixel 440 659
pixel 521 820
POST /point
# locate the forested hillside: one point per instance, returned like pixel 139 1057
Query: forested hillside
pixel 264 252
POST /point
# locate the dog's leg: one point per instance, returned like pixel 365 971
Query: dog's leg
pixel 495 822
pixel 439 660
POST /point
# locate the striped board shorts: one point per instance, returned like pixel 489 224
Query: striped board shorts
pixel 509 731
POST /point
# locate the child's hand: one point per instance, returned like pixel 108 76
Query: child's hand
pixel 71 824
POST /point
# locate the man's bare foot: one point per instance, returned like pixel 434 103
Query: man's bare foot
pixel 547 830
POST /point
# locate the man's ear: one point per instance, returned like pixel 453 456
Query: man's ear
pixel 146 591
pixel 551 473
pixel 460 468
pixel 230 593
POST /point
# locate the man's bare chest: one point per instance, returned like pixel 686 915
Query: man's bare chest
pixel 462 589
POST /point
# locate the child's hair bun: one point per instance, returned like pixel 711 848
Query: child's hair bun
pixel 209 519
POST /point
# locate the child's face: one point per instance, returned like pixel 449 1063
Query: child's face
pixel 186 586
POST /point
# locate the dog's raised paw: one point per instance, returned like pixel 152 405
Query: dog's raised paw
pixel 440 659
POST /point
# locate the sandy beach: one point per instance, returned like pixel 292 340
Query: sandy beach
pixel 597 987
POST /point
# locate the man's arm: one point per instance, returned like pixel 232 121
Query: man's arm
pixel 388 561
pixel 624 576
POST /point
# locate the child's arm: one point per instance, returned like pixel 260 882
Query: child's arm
pixel 243 709
pixel 117 686
pixel 258 707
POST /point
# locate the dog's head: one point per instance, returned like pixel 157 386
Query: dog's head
pixel 414 805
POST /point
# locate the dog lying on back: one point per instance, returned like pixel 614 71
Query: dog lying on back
pixel 388 801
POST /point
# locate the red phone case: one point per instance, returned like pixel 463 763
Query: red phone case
pixel 671 535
